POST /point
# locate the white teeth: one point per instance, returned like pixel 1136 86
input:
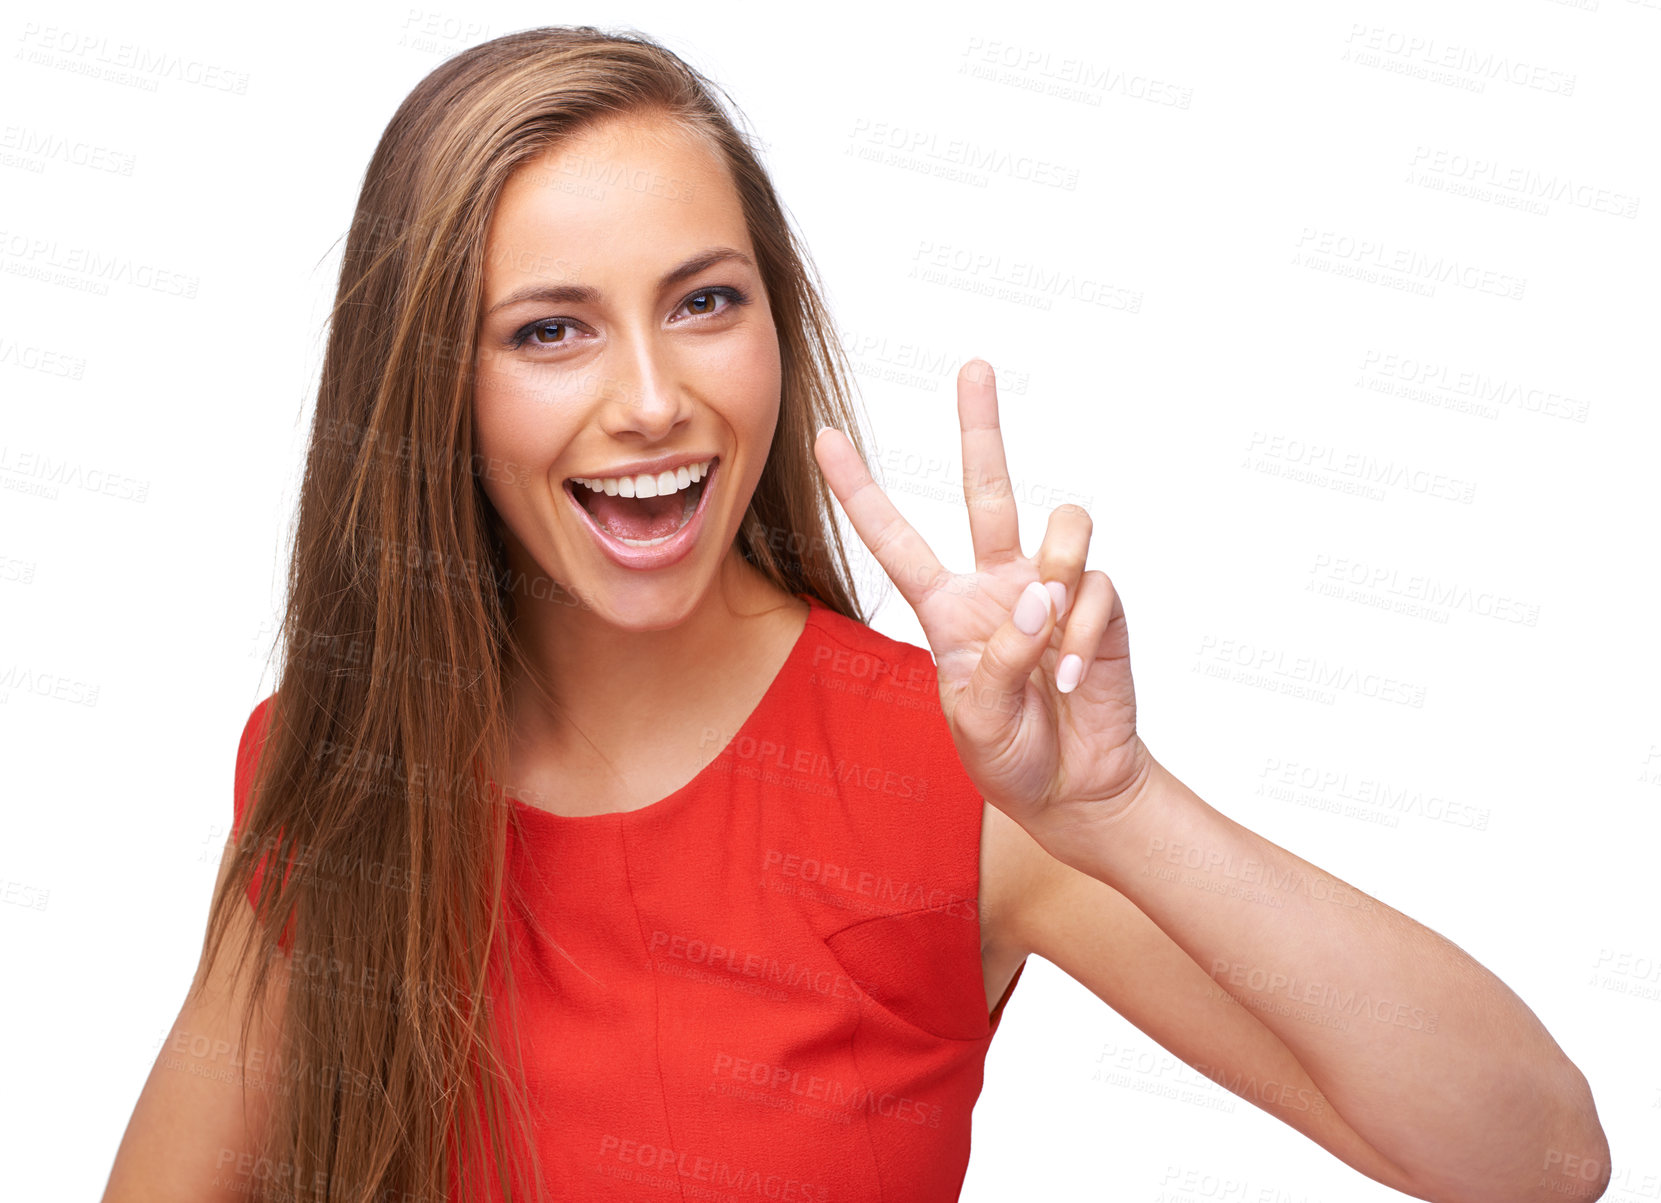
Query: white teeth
pixel 647 484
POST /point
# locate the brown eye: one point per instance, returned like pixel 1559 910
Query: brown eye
pixel 538 331
pixel 702 303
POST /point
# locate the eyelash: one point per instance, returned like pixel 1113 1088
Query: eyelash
pixel 735 296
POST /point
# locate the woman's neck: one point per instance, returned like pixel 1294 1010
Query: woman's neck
pixel 613 688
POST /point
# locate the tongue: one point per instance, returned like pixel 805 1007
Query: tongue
pixel 638 517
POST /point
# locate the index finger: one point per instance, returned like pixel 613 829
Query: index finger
pixel 904 555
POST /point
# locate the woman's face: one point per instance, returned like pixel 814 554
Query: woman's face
pixel 626 340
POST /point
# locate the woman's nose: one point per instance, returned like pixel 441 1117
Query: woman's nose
pixel 644 392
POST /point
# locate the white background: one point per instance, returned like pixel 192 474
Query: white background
pixel 1222 434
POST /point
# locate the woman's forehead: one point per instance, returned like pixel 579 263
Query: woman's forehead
pixel 633 192
pixel 631 157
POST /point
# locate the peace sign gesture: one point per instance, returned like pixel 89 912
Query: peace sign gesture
pixel 1048 747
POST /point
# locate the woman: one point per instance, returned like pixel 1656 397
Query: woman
pixel 764 878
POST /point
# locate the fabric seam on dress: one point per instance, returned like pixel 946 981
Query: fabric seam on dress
pixel 830 633
pixel 865 1111
pixel 910 910
pixel 877 1002
pixel 657 1004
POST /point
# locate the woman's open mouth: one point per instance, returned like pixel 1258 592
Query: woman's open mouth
pixel 647 531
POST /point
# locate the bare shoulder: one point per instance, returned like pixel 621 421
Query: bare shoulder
pixel 196 1125
pixel 1012 870
pixel 998 864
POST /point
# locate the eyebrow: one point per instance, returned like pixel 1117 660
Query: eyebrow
pixel 584 294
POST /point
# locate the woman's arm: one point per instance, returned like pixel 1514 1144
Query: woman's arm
pixel 191 1138
pixel 1428 1056
pixel 1424 1054
pixel 1098 937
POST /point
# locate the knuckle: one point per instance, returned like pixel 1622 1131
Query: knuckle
pixel 1069 558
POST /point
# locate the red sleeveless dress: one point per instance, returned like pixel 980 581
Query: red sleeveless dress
pixel 768 984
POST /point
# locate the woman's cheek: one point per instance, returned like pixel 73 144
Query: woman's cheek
pixel 505 447
pixel 759 364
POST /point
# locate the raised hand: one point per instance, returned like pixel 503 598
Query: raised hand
pixel 1032 653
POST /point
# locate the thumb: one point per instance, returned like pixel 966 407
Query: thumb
pixel 999 681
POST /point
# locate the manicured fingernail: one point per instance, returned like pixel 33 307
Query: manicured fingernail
pixel 1059 592
pixel 1032 609
pixel 1068 672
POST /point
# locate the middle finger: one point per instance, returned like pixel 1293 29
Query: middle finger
pixel 993 523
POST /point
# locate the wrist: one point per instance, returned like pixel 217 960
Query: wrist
pixel 1099 837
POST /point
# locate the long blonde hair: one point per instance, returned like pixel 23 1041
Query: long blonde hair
pixel 397 636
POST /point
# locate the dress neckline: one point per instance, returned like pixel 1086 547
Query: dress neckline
pixel 534 815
